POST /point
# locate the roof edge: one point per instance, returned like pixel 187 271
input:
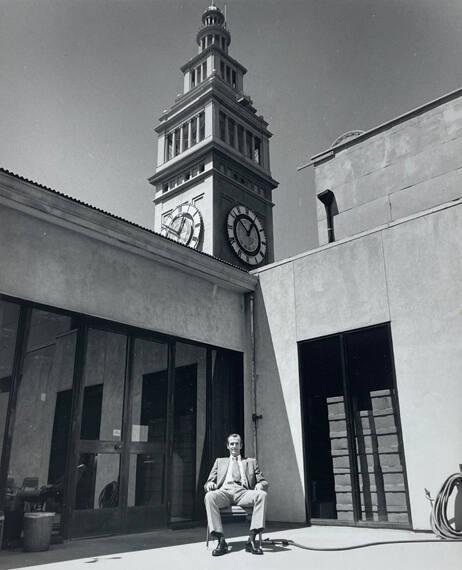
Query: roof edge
pixel 330 152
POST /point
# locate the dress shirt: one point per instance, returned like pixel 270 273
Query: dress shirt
pixel 229 473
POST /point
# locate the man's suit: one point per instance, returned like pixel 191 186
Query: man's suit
pixel 242 494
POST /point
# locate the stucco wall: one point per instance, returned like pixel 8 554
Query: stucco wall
pixel 407 168
pixel 408 274
pixel 54 265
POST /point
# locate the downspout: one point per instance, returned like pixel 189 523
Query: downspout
pixel 253 373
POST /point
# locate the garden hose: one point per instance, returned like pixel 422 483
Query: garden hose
pixel 440 524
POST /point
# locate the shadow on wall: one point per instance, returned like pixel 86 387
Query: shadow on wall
pixel 276 449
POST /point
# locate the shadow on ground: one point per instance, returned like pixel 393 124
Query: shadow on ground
pixel 112 545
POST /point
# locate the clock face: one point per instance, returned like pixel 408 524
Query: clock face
pixel 184 225
pixel 246 235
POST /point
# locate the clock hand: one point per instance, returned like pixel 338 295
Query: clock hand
pixel 183 220
pixel 170 230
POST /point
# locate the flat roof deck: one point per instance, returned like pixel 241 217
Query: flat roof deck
pixel 186 548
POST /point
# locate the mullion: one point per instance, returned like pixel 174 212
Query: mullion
pixel 126 434
pixel 16 373
pixel 351 435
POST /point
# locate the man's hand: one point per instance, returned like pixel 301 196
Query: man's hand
pixel 211 486
pixel 258 487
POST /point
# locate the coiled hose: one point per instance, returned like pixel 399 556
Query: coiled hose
pixel 439 520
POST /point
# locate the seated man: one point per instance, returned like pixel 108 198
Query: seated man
pixel 235 481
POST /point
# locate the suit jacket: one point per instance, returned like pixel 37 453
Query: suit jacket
pixel 220 468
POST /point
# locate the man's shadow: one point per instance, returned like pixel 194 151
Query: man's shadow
pixel 238 545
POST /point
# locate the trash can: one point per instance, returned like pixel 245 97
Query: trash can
pixel 37 531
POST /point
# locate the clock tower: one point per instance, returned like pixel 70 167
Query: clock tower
pixel 213 185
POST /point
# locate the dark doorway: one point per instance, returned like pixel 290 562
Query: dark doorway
pixel 353 450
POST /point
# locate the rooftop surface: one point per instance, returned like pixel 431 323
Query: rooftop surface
pixel 186 549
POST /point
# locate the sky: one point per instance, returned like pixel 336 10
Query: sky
pixel 83 83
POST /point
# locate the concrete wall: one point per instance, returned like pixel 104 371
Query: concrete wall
pixel 53 265
pixel 409 274
pixel 412 166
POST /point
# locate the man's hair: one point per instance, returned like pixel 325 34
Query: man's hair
pixel 233 435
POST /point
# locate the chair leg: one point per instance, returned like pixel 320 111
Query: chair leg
pixel 207 538
pixel 260 538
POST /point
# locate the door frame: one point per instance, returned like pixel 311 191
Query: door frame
pixel 352 448
pixel 115 520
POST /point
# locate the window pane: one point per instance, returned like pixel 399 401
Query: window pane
pixel 104 380
pixel 185 136
pixel 257 150
pixel 177 141
pixel 193 131
pixel 222 125
pixel 231 125
pixel 189 429
pixel 375 420
pixel 43 412
pixel 9 316
pixel 240 138
pixel 149 421
pixel 325 430
pixel 227 398
pixel 202 126
pixel 149 391
pixel 146 486
pixel 98 476
pixel 169 147
pixel 249 143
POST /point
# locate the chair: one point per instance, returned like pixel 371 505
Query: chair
pixel 234 512
pixel 30 483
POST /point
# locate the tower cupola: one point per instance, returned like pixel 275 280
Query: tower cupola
pixel 213 31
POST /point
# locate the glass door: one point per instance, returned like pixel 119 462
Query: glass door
pixel 148 432
pixel 97 505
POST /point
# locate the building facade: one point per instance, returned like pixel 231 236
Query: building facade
pixel 127 355
pixel 118 347
pixel 358 348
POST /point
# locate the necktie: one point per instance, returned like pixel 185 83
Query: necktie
pixel 235 471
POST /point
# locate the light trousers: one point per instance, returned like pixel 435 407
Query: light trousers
pixel 234 494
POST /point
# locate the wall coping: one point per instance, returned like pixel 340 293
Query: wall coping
pixel 378 229
pixel 331 152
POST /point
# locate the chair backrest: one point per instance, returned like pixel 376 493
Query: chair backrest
pixel 30 483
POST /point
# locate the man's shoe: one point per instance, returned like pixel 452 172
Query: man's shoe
pixel 222 547
pixel 252 547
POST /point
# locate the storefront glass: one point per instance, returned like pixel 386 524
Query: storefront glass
pixel 42 415
pixel 114 429
pixel 9 317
